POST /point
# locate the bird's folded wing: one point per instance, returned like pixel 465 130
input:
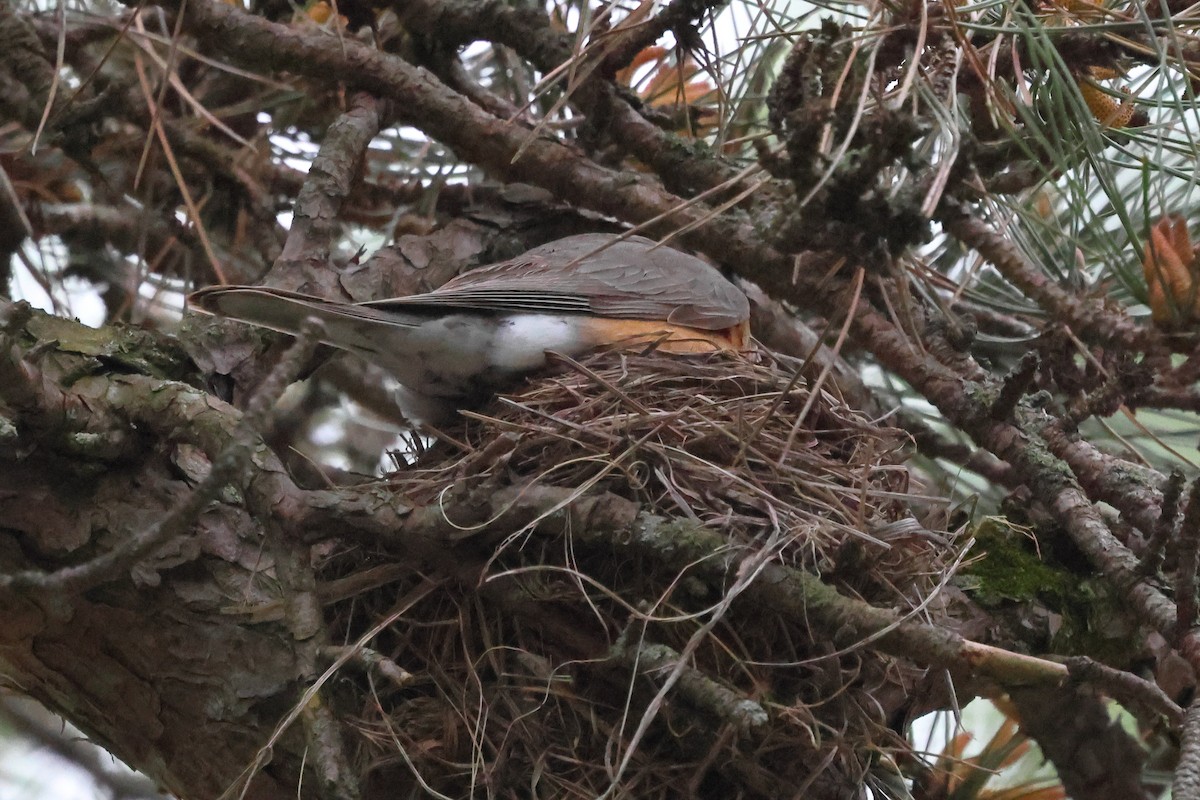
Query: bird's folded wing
pixel 631 279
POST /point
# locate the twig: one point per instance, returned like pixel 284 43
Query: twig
pixel 1133 489
pixel 1188 553
pixel 1186 785
pixel 706 694
pixel 305 256
pixel 1015 385
pixel 630 41
pixel 1125 687
pixel 21 56
pixel 1152 556
pixel 1090 320
pixel 370 661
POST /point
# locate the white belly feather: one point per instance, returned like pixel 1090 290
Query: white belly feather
pixel 444 361
pixel 461 354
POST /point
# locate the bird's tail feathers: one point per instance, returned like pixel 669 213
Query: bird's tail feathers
pixel 350 326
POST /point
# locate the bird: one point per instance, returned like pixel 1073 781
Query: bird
pixel 490 327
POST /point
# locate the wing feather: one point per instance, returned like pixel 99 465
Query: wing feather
pixel 595 274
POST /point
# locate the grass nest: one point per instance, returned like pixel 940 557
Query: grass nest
pixel 638 659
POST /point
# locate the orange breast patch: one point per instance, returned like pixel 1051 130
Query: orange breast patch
pixel 671 338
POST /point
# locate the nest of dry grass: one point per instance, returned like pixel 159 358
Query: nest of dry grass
pixel 574 663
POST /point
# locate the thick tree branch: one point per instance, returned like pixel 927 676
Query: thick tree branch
pixel 1095 758
pixel 304 263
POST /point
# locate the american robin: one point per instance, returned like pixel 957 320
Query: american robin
pixel 493 325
